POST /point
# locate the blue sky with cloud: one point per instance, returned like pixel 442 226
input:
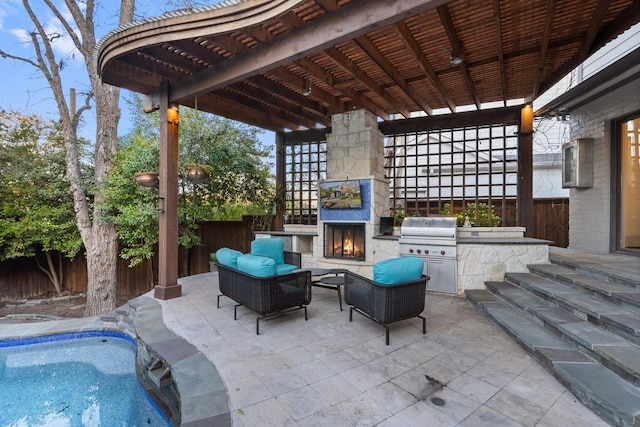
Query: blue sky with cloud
pixel 25 89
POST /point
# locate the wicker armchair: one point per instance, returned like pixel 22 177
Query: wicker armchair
pixel 267 296
pixel 384 303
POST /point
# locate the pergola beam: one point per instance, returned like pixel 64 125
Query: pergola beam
pixel 421 60
pixel 377 57
pixel 544 47
pixel 342 60
pixel 498 25
pixel 456 48
pixel 342 25
pixel 594 25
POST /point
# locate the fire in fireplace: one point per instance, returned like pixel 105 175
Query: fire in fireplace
pixel 344 240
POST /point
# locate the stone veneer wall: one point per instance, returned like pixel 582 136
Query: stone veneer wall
pixel 590 213
pixel 487 253
pixel 478 263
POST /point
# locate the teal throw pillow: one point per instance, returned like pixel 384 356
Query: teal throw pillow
pixel 259 266
pixel 398 270
pixel 271 247
pixel 228 257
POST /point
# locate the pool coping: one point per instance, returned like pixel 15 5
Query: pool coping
pixel 203 396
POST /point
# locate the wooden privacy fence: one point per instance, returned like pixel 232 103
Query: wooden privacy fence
pixel 551 221
pixel 21 278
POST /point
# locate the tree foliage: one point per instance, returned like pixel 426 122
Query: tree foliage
pixel 74 21
pixel 235 160
pixel 36 205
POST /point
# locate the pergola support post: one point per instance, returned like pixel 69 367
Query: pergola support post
pixel 280 181
pixel 168 287
pixel 525 170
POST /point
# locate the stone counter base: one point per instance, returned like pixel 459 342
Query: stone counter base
pixel 478 263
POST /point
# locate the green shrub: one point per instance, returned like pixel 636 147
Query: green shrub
pixel 478 215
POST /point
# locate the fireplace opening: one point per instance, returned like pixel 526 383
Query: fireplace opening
pixel 344 240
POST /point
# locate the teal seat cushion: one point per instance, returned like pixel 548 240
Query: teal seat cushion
pixel 398 270
pixel 286 268
pixel 271 247
pixel 259 266
pixel 228 257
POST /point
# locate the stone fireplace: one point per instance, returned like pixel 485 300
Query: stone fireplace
pixel 355 152
pixel 345 241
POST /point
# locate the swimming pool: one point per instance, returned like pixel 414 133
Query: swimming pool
pixel 84 379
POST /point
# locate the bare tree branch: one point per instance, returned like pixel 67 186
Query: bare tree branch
pixel 70 31
pixel 18 58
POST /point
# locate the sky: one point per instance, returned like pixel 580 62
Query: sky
pixel 25 89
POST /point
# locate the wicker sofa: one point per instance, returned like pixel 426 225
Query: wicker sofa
pixel 266 294
pixel 389 297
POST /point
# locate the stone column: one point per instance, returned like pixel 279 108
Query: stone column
pixel 355 150
pixel 355 147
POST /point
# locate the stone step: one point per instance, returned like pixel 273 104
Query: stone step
pixel 617 353
pixel 612 317
pixel 622 272
pixel 623 295
pixel 614 399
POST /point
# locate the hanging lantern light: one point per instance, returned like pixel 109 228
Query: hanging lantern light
pixel 197 175
pixel 147 179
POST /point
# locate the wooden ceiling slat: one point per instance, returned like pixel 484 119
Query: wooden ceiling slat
pixel 594 27
pixel 323 75
pixel 500 48
pixel 363 78
pixel 220 106
pixel 390 70
pixel 625 19
pixel 544 47
pixel 424 64
pixel 387 57
pixel 347 22
pixel 457 49
pixel 314 111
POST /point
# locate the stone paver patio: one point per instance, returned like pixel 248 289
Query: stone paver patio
pixel 330 372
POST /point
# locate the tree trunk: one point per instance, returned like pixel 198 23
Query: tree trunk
pixel 102 261
pixel 102 242
pixel 54 274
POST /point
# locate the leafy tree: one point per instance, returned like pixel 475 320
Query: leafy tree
pixel 36 205
pixel 239 180
pixel 75 22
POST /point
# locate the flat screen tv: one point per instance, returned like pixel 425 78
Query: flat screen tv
pixel 340 194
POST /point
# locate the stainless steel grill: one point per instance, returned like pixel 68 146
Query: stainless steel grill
pixel 435 240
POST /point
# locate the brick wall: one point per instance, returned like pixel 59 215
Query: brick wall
pixel 590 215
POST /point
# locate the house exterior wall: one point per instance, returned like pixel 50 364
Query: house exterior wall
pixel 591 210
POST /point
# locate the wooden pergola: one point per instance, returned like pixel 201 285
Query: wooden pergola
pixel 291 64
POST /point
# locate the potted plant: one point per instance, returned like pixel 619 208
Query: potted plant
pixel 399 217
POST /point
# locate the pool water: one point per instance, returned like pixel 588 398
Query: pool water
pixel 84 380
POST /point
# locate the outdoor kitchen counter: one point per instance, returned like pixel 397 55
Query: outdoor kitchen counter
pixel 287 233
pixel 503 241
pixel 386 237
